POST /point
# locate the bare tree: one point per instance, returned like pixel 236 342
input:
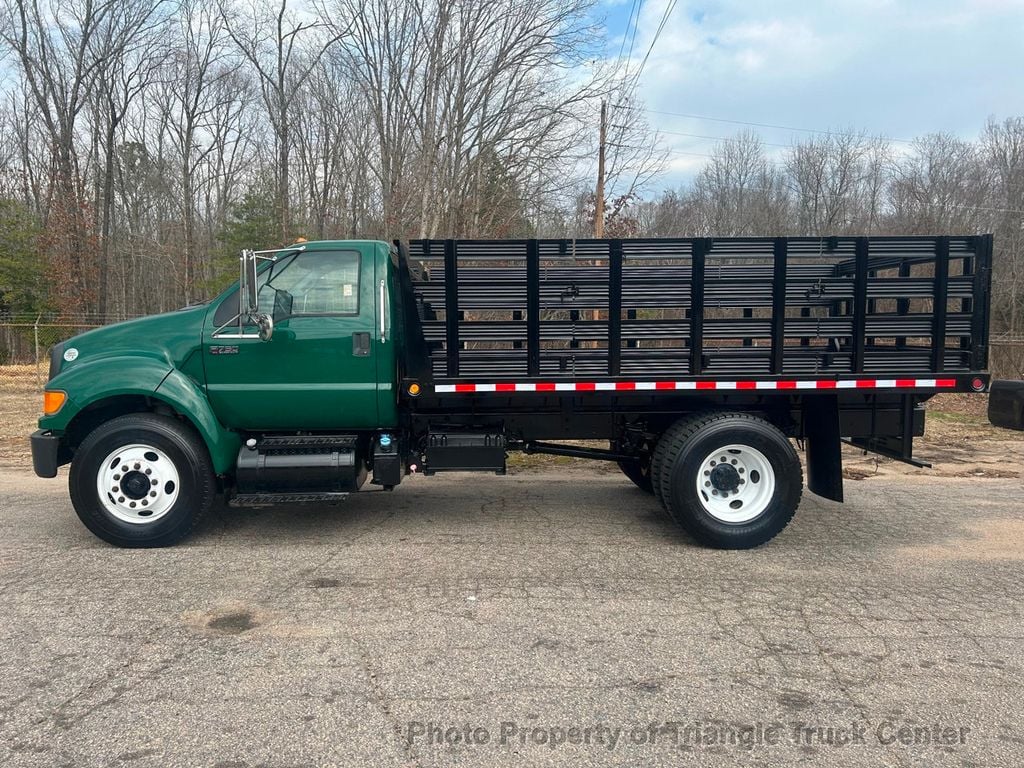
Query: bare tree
pixel 127 41
pixel 1002 145
pixel 461 92
pixel 936 188
pixel 189 96
pixel 58 50
pixel 283 49
pixel 739 191
pixel 835 180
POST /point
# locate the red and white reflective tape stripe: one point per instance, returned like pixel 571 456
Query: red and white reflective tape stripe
pixel 634 386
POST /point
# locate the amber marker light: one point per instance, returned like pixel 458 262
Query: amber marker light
pixel 414 389
pixel 53 400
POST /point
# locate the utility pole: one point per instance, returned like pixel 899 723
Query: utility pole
pixel 599 196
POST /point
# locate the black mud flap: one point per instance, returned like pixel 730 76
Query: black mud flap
pixel 1006 404
pixel 824 446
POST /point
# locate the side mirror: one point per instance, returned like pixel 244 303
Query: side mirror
pixel 266 325
pixel 248 283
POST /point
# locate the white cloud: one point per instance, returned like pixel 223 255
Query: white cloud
pixel 894 67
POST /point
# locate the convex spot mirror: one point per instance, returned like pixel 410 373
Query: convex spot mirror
pixel 266 326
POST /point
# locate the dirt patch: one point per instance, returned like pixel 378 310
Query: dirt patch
pixel 227 620
pixel 983 540
pixel 858 473
pixel 21 402
pixel 519 463
pixel 324 583
pixel 234 623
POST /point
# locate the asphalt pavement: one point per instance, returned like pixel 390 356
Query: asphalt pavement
pixel 527 620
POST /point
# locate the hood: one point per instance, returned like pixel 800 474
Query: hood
pixel 170 337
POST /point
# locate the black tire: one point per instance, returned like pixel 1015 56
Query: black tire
pixel 639 471
pixel 662 448
pixel 688 442
pixel 179 443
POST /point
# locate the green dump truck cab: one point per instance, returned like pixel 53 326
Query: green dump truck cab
pixel 336 364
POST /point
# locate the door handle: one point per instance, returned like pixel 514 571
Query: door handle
pixel 361 344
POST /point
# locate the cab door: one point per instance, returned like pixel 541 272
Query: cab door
pixel 318 371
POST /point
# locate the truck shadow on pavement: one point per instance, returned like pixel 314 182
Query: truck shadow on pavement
pixel 882 517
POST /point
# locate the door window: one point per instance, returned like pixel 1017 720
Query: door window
pixel 316 282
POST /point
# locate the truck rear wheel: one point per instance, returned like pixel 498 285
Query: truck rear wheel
pixel 141 480
pixel 731 480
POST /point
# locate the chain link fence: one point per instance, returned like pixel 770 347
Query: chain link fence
pixel 25 345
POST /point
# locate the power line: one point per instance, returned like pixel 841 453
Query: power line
pixel 713 138
pixel 761 125
pixel 629 22
pixel 661 26
pixel 923 203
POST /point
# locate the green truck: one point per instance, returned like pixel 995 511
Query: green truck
pixel 692 363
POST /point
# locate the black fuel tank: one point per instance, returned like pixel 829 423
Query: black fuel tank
pixel 301 464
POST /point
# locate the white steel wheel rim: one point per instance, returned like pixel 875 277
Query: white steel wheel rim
pixel 735 483
pixel 138 483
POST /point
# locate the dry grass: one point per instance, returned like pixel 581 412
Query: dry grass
pixel 21 402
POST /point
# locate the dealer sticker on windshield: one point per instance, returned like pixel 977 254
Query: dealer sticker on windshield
pixel 70 354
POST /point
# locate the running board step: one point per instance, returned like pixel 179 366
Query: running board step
pixel 264 499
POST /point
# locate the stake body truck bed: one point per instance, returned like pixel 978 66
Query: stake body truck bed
pixel 693 362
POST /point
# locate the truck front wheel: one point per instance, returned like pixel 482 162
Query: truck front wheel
pixel 731 480
pixel 141 480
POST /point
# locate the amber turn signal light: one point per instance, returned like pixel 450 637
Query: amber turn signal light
pixel 414 389
pixel 53 400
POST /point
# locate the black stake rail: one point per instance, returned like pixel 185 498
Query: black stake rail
pixel 529 309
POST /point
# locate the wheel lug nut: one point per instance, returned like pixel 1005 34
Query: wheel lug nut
pixel 132 505
pixel 137 465
pixel 117 477
pixel 742 470
pixel 153 482
pixel 144 502
pixel 149 471
pixel 707 484
pixel 120 499
pixel 153 494
pixel 714 493
pixel 124 468
pixel 734 461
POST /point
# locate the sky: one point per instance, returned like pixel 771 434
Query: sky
pixel 894 68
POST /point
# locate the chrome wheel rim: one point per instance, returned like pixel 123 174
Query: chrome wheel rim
pixel 735 483
pixel 138 483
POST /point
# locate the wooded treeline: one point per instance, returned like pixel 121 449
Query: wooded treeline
pixel 143 143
